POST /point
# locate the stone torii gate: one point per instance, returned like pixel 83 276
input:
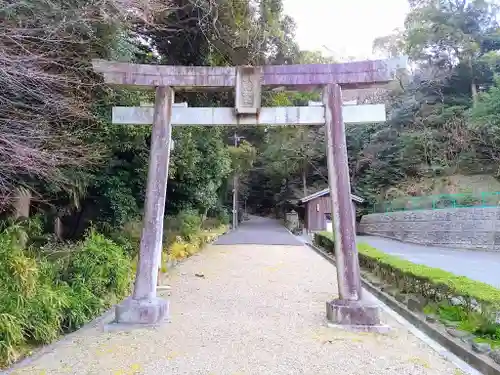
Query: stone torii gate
pixel 145 307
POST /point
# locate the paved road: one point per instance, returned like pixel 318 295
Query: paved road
pixel 477 265
pixel 259 231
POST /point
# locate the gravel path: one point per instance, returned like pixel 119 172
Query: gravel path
pixel 257 310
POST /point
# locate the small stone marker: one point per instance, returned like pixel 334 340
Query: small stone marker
pixel 481 347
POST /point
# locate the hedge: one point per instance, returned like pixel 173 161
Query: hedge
pixel 432 283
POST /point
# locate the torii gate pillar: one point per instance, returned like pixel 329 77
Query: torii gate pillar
pixel 145 307
pixel 348 309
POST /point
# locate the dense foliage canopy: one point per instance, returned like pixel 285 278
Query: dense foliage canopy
pixel 57 140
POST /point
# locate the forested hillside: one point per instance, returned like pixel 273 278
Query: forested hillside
pixel 59 145
pixel 442 119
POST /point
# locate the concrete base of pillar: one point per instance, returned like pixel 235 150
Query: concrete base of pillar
pixel 382 329
pixel 141 312
pixel 354 315
pixel 161 288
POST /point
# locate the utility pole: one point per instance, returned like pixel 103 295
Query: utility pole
pixel 236 140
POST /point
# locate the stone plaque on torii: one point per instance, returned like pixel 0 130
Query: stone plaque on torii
pixel 145 307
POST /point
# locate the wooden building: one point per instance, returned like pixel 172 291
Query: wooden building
pixel 317 210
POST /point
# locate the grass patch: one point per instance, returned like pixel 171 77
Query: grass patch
pixel 495 344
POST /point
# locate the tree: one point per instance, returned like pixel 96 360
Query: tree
pixel 392 45
pixel 313 57
pixel 48 90
pixel 200 166
pixel 486 125
pixel 452 33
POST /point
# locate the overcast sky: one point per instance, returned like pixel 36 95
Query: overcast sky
pixel 345 27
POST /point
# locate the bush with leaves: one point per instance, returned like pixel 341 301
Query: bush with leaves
pixel 101 266
pixel 31 304
pixel 128 237
pixel 45 292
pixel 190 223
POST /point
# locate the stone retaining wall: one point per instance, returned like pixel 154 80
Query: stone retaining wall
pixel 468 228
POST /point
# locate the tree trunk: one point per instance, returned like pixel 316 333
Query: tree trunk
pixel 473 86
pixel 22 203
pixel 58 228
pixel 474 93
pixel 304 182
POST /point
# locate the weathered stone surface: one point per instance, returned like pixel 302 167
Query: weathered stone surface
pixel 468 339
pixel 400 297
pixel 376 283
pixel 145 311
pixel 476 228
pixel 457 301
pixel 481 347
pixel 495 355
pixel 391 291
pixel 431 318
pixel 248 89
pixel 355 313
pixel 457 333
pixel 416 303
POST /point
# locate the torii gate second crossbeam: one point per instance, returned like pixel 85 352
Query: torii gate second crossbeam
pixel 314 114
pixel 144 307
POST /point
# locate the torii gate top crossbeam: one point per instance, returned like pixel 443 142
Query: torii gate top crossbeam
pixel 348 75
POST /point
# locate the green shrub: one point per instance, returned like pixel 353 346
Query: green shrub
pixel 224 217
pixel 210 223
pixel 129 237
pixel 324 240
pixel 30 303
pixel 190 223
pixel 49 291
pixel 438 286
pixel 11 337
pixel 451 313
pixel 101 266
pixel 83 306
pixel 221 213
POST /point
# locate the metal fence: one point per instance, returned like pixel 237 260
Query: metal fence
pixel 439 202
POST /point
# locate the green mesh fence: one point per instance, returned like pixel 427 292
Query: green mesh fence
pixel 439 202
